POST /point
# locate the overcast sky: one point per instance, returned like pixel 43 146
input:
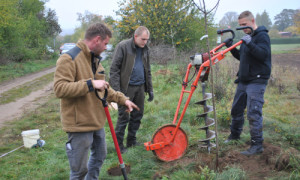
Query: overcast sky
pixel 66 10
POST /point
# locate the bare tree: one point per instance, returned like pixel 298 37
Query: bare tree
pixel 202 7
pixel 229 20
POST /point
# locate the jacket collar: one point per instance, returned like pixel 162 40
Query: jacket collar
pixel 133 44
pixel 86 50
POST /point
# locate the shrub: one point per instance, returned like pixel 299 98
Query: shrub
pixel 285 41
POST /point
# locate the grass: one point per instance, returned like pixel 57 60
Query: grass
pixel 13 69
pixel 285 48
pixel 232 173
pixel 281 111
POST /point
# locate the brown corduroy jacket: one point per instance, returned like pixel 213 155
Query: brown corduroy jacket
pixel 81 110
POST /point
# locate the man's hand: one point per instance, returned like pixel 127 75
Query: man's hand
pixel 151 96
pixel 228 42
pixel 246 39
pixel 100 85
pixel 130 105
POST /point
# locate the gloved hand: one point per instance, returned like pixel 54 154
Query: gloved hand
pixel 246 39
pixel 151 96
pixel 228 42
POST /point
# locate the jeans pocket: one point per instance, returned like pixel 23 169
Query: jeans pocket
pixel 255 109
pixel 71 156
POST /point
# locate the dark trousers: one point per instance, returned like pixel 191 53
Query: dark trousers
pixel 250 96
pixel 133 119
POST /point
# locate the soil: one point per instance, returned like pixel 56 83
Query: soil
pixel 260 166
pixel 116 171
pixel 273 159
pixel 291 59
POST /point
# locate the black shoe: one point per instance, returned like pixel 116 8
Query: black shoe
pixel 123 149
pixel 133 144
pixel 231 138
pixel 254 149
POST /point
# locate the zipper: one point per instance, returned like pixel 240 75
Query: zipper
pixel 131 72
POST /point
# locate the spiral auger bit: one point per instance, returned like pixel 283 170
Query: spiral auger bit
pixel 210 134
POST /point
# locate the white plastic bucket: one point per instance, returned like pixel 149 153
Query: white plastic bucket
pixel 30 137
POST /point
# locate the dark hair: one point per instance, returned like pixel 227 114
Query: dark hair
pixel 97 29
pixel 140 30
pixel 246 14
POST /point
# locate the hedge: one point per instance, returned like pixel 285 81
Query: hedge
pixel 285 41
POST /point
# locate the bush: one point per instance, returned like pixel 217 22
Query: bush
pixel 162 53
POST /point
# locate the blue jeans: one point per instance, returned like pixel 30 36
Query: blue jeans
pixel 251 96
pixel 77 148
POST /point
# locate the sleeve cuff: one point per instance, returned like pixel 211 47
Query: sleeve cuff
pixel 90 85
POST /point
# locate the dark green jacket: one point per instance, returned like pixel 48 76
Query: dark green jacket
pixel 122 66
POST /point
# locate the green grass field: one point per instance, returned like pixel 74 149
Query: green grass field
pixel 285 48
pixel 14 70
pixel 281 128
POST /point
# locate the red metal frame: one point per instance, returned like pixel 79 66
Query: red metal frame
pixel 215 57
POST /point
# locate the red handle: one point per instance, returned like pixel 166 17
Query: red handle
pixel 112 130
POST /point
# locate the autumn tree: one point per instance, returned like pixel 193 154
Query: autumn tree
pixel 284 19
pixel 297 21
pixel 170 22
pixel 9 22
pixel 86 20
pixel 52 26
pixel 25 29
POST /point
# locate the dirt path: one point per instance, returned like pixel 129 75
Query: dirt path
pixel 17 109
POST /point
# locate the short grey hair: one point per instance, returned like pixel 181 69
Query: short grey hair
pixel 139 31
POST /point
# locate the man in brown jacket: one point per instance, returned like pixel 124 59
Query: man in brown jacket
pixel 78 76
pixel 130 73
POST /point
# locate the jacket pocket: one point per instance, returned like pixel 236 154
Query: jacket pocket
pixel 99 76
pixel 100 73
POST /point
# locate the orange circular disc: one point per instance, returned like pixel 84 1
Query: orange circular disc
pixel 174 150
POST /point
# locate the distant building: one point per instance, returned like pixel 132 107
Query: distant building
pixel 285 34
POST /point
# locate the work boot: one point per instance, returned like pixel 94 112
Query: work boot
pixel 123 149
pixel 231 138
pixel 133 144
pixel 254 149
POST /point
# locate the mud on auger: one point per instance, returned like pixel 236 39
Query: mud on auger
pixel 169 142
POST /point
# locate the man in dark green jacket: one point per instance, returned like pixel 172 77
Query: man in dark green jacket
pixel 254 71
pixel 130 73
